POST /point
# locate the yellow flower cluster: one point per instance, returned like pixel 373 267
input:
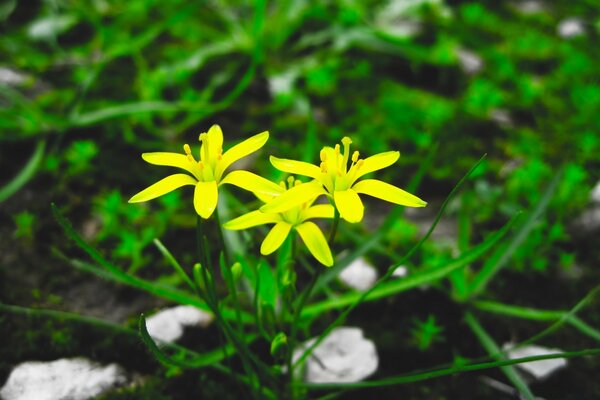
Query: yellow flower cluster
pixel 288 206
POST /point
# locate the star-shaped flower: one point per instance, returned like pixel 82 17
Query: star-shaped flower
pixel 208 173
pixel 341 183
pixel 296 217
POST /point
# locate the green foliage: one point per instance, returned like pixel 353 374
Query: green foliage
pixel 24 223
pixel 426 333
pixel 99 82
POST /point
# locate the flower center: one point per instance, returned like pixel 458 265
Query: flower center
pixel 209 153
pixel 292 216
pixel 337 175
pixel 200 169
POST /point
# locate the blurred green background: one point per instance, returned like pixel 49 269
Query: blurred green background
pixel 87 86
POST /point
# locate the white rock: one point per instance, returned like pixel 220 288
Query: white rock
pixel 589 220
pixel 400 272
pixel 502 117
pixel 66 379
pixel 167 325
pixel 282 84
pixel 539 369
pixel 570 28
pixel 343 356
pixel 11 77
pixel 595 195
pixel 529 7
pixel 470 62
pixel 359 275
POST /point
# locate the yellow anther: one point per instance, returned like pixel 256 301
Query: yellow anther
pixel 201 165
pixel 360 163
pixel 355 156
pixel 324 167
pixel 282 184
pixel 297 182
pixel 186 148
pixel 290 180
pixel 323 155
pixel 191 158
pixel 346 141
pixel 337 149
pixel 202 137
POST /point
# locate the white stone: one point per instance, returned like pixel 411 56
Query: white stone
pixel 66 379
pixel 359 275
pixel 539 369
pixel 342 357
pixel 167 325
pixel 502 117
pixel 595 195
pixel 10 77
pixel 589 220
pixel 570 28
pixel 400 272
pixel 529 7
pixel 283 84
pixel 470 62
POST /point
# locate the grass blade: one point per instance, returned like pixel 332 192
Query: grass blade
pixel 494 351
pixel 411 281
pixel 437 373
pixel 491 268
pixel 26 173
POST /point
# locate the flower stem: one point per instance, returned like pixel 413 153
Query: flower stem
pixel 334 227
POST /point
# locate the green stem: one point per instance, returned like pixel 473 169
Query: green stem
pixel 334 227
pixel 494 351
pixel 223 244
pixel 388 274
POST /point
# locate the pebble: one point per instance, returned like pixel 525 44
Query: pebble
pixel 342 357
pixel 538 369
pixel 359 275
pixel 469 61
pixel 64 379
pixel 167 325
pixel 570 28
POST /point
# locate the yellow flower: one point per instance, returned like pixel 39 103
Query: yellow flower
pixel 340 183
pixel 296 218
pixel 207 174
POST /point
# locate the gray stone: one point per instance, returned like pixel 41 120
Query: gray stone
pixel 538 369
pixel 167 325
pixel 64 379
pixel 342 357
pixel 359 275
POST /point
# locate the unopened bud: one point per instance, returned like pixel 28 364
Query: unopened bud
pixel 236 271
pixel 279 345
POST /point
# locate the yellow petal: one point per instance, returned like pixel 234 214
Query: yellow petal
pixel 331 159
pixel 376 162
pixel 265 198
pixel 163 186
pixel 168 159
pixel 252 183
pixel 315 242
pixel 275 238
pixel 251 219
pixel 296 167
pixel 387 192
pixel 215 140
pixel 318 211
pixel 205 198
pixel 349 205
pixel 240 150
pixel 294 197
